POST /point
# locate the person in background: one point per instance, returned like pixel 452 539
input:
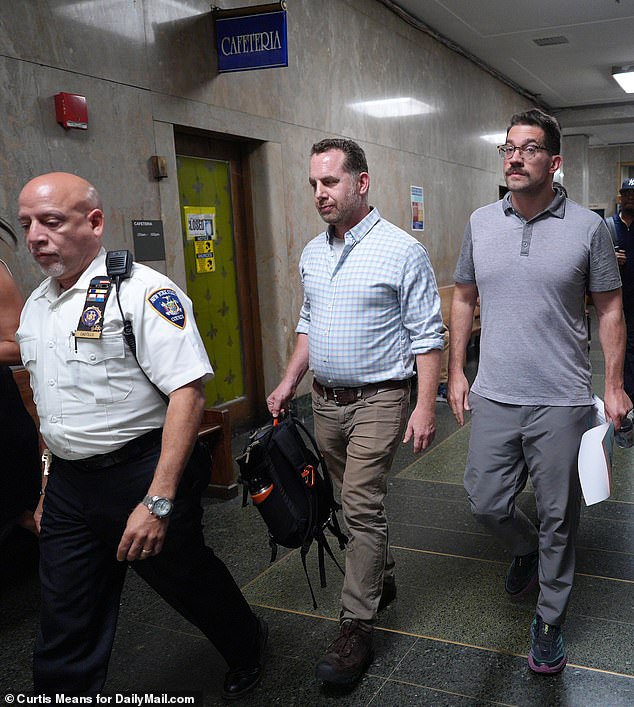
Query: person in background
pixel 371 308
pixel 126 477
pixel 20 470
pixel 621 227
pixel 531 257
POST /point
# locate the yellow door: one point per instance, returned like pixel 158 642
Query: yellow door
pixel 217 253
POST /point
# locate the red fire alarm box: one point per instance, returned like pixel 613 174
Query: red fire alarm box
pixel 71 110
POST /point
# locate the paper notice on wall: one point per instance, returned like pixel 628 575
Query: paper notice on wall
pixel 418 208
pixel 200 221
pixel 205 257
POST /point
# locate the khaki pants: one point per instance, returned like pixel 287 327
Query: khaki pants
pixel 359 442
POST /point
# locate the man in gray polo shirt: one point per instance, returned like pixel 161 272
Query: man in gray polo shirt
pixel 531 257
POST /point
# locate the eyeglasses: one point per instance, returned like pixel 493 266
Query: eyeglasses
pixel 528 152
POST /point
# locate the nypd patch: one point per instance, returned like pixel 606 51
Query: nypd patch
pixel 167 304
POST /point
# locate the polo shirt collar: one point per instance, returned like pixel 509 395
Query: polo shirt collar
pixel 556 208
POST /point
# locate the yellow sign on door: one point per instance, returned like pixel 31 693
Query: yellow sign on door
pixel 204 249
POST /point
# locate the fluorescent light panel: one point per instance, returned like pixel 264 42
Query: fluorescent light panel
pixel 392 107
pixel 494 138
pixel 624 76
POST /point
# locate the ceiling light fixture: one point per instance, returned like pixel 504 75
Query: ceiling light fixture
pixel 494 138
pixel 624 76
pixel 392 107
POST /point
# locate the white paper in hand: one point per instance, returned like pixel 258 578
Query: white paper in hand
pixel 595 467
pixel 598 411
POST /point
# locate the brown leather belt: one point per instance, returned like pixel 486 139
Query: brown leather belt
pixel 345 396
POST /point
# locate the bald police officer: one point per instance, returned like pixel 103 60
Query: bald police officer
pixel 126 477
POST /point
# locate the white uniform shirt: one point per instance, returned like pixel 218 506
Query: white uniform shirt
pixel 90 394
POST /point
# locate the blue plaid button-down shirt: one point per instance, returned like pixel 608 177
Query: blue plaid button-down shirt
pixel 368 314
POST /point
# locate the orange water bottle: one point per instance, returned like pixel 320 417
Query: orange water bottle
pixel 260 489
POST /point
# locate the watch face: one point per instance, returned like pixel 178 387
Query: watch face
pixel 161 507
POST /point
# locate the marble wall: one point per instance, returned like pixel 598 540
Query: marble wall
pixel 604 165
pixel 147 65
pixel 593 174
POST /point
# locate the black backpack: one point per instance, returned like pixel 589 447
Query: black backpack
pixel 290 486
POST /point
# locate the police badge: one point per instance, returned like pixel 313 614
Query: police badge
pixel 90 321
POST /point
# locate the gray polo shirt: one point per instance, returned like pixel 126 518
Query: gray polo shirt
pixel 532 278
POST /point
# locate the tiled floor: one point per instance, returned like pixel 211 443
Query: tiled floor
pixel 452 637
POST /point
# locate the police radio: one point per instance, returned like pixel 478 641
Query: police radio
pixel 119 264
pixel 119 267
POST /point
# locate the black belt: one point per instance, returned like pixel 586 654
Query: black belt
pixel 345 396
pixel 131 450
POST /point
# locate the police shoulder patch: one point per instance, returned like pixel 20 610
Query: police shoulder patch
pixel 167 304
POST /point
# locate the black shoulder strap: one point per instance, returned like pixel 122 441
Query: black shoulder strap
pixel 130 339
pixel 333 523
pixel 329 489
pixel 288 441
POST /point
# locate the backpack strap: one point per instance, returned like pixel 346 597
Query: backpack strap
pixel 322 544
pixel 335 529
pixel 273 546
pixel 303 553
pixel 245 492
pixel 330 494
pixel 332 523
pixel 289 443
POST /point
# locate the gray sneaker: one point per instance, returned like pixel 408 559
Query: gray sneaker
pixel 547 654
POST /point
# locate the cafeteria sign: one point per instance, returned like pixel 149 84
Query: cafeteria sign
pixel 253 40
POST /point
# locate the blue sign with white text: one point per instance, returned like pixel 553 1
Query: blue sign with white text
pixel 252 42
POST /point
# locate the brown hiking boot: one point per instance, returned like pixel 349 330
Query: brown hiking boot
pixel 348 656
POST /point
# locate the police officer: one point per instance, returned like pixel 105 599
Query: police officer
pixel 126 477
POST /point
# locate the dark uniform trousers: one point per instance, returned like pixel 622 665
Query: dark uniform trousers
pixel 85 513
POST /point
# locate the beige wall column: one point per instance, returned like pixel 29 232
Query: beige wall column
pixel 575 167
pixel 174 265
pixel 277 314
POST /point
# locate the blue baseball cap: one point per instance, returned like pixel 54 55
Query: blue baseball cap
pixel 627 184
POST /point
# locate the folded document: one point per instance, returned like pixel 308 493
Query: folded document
pixel 595 457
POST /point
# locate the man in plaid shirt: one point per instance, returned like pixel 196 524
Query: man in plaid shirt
pixel 371 311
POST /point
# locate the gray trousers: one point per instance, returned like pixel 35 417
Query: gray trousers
pixel 509 442
pixel 359 442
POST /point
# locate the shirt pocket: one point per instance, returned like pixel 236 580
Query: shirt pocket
pixel 98 370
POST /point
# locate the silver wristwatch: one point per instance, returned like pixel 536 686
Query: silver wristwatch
pixel 158 506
